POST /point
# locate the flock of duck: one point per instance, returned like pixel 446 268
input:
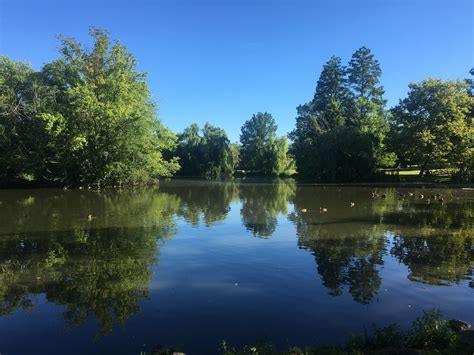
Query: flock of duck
pixel 400 197
pixel 403 196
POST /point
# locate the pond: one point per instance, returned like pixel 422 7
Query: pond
pixel 192 263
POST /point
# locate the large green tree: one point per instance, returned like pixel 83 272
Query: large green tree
pixel 206 153
pixel 262 151
pixel 327 110
pixel 433 126
pixel 367 94
pixel 91 114
pixel 26 132
pixel 367 104
pixel 340 134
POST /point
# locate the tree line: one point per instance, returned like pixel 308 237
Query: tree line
pixel 88 118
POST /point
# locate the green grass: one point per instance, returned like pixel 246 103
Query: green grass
pixel 416 172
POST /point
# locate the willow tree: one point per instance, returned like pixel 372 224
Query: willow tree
pixel 262 151
pixel 206 153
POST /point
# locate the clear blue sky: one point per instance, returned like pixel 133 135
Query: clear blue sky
pixel 221 61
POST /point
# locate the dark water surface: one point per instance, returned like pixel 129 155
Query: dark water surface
pixel 192 263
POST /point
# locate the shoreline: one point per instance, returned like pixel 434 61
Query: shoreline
pixel 245 180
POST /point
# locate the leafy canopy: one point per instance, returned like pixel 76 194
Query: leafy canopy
pixel 262 151
pixel 432 126
pixel 85 118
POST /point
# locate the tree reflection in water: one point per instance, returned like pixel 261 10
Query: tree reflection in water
pixel 101 268
pixel 435 241
pixel 262 203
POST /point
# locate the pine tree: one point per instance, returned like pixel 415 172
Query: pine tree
pixel 331 95
pixel 367 106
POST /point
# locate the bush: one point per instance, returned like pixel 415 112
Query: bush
pixel 431 331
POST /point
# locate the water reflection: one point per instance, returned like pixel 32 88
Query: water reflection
pixel 262 203
pixel 99 268
pixel 347 242
pixel 102 267
pixel 201 201
pixel 437 244
pixel 434 240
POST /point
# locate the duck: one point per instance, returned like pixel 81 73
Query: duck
pixel 304 210
pixel 375 194
pixel 89 217
pixel 352 204
pixel 322 209
pixel 421 196
pixel 383 195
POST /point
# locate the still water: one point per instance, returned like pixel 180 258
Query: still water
pixel 191 263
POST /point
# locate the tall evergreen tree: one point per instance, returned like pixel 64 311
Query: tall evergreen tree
pixel 367 106
pixel 344 97
pixel 326 111
pixel 331 95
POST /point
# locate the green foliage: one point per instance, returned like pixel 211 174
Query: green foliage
pixel 262 151
pixel 323 113
pixel 26 123
pixel 283 162
pixel 367 104
pixel 85 118
pixel 344 154
pixel 330 98
pixel 428 334
pixel 433 126
pixel 340 134
pixel 208 155
pixel 88 118
pixel 431 331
